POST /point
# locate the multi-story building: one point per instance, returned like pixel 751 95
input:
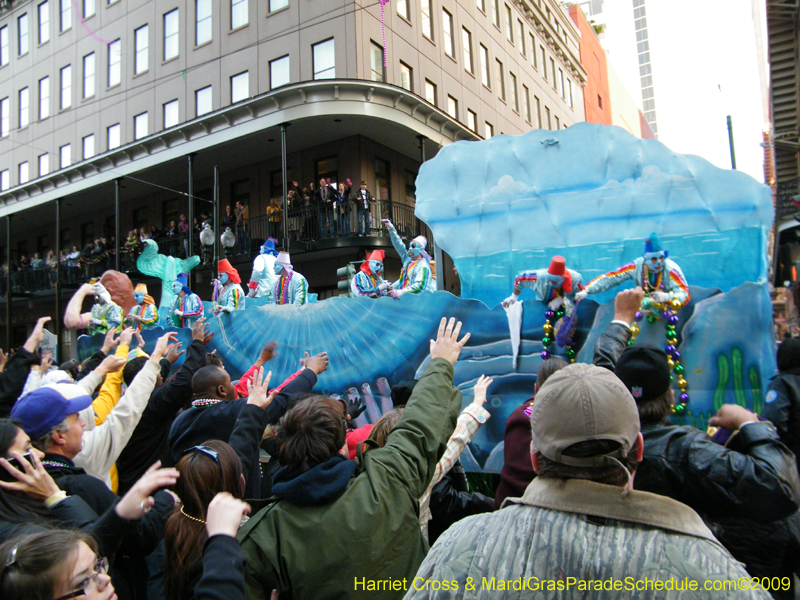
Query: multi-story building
pixel 114 113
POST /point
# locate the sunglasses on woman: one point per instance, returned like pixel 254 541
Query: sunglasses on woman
pixel 100 568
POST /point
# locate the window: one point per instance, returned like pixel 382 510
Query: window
pixel 44 97
pixel 66 15
pixel 278 72
pixel 501 85
pixel 447 27
pixel 171 26
pixel 481 5
pixel 569 93
pixel 202 21
pixel 324 60
pixel 23 172
pixel 4 45
pixel 488 130
pixel 427 30
pixel 376 62
pixel 544 62
pixel 277 5
pixel 240 87
pixel 140 126
pixel 402 9
pixel 44 22
pixel 44 164
pixel 526 102
pixel 533 50
pixel 114 62
pixel 599 102
pixel 66 87
pixel 496 13
pixel 561 86
pixel 110 2
pixel 558 124
pixel 537 106
pixel 430 92
pixel 171 116
pixel 64 156
pixel 514 99
pixel 88 75
pixel 553 71
pixel 452 107
pixel 509 25
pixel 22 32
pixel 472 120
pixel 5 180
pixel 411 187
pixel 406 77
pixel 466 41
pixel 88 8
pixel 382 170
pixel 114 136
pixel 141 41
pixel 24 104
pixel 485 80
pixel 5 116
pixel 203 100
pixel 239 16
pixel 521 35
pixel 547 114
pixel 88 146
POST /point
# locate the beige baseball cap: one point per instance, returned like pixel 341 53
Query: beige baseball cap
pixel 581 403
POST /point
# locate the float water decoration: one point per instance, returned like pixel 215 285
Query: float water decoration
pixel 590 193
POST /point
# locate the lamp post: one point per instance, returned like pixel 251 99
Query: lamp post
pixel 207 238
pixel 228 241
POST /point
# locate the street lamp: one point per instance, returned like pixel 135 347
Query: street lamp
pixel 228 240
pixel 207 239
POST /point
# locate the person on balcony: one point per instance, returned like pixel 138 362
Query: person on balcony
pixel 363 199
pixel 325 197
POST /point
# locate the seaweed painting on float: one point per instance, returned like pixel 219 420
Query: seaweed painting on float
pixel 594 195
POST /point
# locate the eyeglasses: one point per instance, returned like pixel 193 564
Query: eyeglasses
pixel 100 568
pixel 207 451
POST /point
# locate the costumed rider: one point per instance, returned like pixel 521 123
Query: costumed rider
pixel 556 286
pixel 106 314
pixel 187 307
pixel 369 280
pixel 143 314
pixel 661 278
pixel 416 275
pixel 228 294
pixel 263 278
pixel 291 287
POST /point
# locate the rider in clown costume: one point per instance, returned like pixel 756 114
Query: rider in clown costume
pixel 369 280
pixel 106 314
pixel 291 287
pixel 556 286
pixel 143 314
pixel 228 293
pixel 187 307
pixel 416 275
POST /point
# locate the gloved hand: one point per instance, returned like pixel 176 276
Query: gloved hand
pixel 395 293
pixel 555 303
pixel 660 297
pixel 251 293
pixel 511 300
pixel 384 286
pixel 178 313
pixel 388 224
pixel 355 406
pixel 581 295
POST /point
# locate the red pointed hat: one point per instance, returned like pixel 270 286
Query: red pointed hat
pixel 374 255
pixel 224 266
pixel 558 266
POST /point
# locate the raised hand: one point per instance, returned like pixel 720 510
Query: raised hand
pixel 447 345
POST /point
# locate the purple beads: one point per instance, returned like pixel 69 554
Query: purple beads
pixel 545 354
pixel 670 349
pixel 673 319
pixel 638 316
pixel 549 314
pixel 684 398
pixel 676 355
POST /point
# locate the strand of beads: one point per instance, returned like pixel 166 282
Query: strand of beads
pixel 549 335
pixel 670 315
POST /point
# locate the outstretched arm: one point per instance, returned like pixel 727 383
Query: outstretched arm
pixel 73 318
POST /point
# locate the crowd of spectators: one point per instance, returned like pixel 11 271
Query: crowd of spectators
pixel 139 475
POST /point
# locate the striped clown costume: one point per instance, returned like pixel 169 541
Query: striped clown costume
pixel 368 280
pixel 228 293
pixel 144 310
pixel 291 287
pixel 556 286
pixel 660 278
pixel 416 275
pixel 187 307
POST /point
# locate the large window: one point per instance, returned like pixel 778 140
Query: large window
pixel 533 50
pixel 485 79
pixel 378 71
pixel 202 22
pixel 44 164
pixel 547 115
pixel 24 175
pixel 4 45
pixel 472 120
pixel 553 72
pixel 141 41
pixel 430 92
pixel 88 75
pixel 324 61
pixel 481 4
pixel 488 130
pixel 427 29
pixel 66 87
pixel 526 102
pixel 44 21
pixel 512 79
pixel 569 93
pixel 278 72
pixel 466 42
pixel 406 77
pixel 22 33
pixel 203 100
pixel 382 188
pixel 240 87
pixel 562 88
pixel 509 25
pixel 496 13
pixel 44 97
pixel 452 107
pixel 171 27
pixel 5 116
pixel 114 136
pixel 24 107
pixel 402 9
pixel 140 126
pixel 544 62
pixel 447 28
pixel 66 15
pixel 5 180
pixel 171 113
pixel 277 5
pixel 88 146
pixel 537 106
pixel 521 36
pixel 239 16
pixel 65 156
pixel 88 8
pixel 501 83
pixel 114 62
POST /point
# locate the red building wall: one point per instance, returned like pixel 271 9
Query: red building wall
pixel 596 98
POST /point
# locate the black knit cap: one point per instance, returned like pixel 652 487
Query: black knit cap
pixel 645 372
pixel 789 355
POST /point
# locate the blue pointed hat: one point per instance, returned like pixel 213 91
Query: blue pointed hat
pixel 268 247
pixel 653 244
pixel 183 279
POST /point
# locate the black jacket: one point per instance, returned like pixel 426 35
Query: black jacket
pixel 149 440
pixel 452 501
pixel 782 407
pixel 13 377
pixel 223 570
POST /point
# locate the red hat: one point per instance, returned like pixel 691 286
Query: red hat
pixel 374 255
pixel 558 266
pixel 224 266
